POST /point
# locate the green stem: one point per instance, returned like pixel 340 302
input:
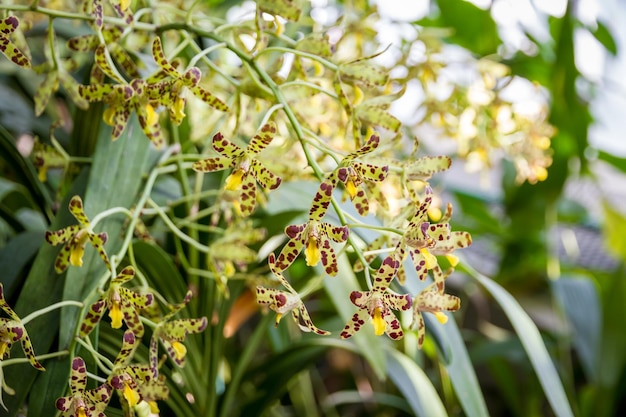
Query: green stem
pixel 49 308
pixel 170 224
pixel 40 358
pixel 246 357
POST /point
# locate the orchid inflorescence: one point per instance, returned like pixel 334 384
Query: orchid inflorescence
pixel 365 173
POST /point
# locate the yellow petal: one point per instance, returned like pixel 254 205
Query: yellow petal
pixel 234 180
pixel 351 188
pixel 441 317
pixel 131 395
pixel 76 255
pixel 115 313
pixel 229 269
pixel 358 96
pixel 431 260
pixel 154 408
pixel 278 317
pixel 3 348
pixel 179 108
pixel 151 115
pixel 109 116
pixel 312 253
pixel 378 322
pixel 124 4
pixel 81 412
pixel 454 260
pixel 179 350
pixel 42 173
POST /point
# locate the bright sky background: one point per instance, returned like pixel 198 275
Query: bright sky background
pixel 603 70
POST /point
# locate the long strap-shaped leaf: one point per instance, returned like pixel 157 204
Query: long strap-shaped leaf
pixel 531 341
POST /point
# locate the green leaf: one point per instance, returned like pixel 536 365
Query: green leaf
pixel 614 230
pixel 15 256
pixel 369 345
pixel 604 36
pixel 414 384
pixel 158 267
pixel 616 161
pixel 573 292
pixel 531 340
pixel 474 28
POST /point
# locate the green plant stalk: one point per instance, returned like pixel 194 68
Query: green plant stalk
pixel 246 357
pixel 49 308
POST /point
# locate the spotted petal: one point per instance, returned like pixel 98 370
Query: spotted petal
pixel 18 332
pixel 7 46
pixel 355 323
pixel 6 307
pixel 209 98
pixel 61 236
pixel 264 176
pixel 392 325
pixel 98 242
pixel 329 259
pixel 457 240
pixel 439 232
pixel 102 59
pixel 385 273
pixel 129 345
pixel 423 168
pixel 337 233
pixel 213 164
pixel 289 253
pixel 76 208
pixel 129 310
pixel 78 379
pixel 62 260
pixel 247 196
pixel 263 138
pixel 322 198
pixel 161 60
pixel 302 318
pixel 420 263
pixel 226 148
pixel 96 310
pixel 370 145
pixel 371 172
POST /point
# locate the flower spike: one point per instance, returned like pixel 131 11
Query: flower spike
pixel 75 238
pixel 246 168
pixel 378 303
pixel 284 301
pixel 121 302
pixel 83 403
pixel 12 330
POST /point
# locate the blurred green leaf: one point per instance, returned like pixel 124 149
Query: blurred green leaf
pixel 572 292
pixel 531 340
pixel 604 36
pixel 614 230
pixel 474 28
pixel 616 161
pixel 414 384
pixel 15 256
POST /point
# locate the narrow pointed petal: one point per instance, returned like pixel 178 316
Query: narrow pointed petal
pixel 212 164
pixel 355 323
pixel 264 176
pixel 96 310
pixel 263 138
pixel 226 148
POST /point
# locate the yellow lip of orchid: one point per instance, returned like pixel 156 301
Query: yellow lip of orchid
pixel 431 260
pixel 312 253
pixel 441 317
pixel 3 348
pixel 234 180
pixel 179 350
pixel 124 4
pixel 131 395
pixel 379 323
pixel 109 116
pixel 151 115
pixel 80 412
pixel 351 188
pixel 115 313
pixel 76 255
pixel 179 108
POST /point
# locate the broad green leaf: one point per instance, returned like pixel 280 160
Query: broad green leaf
pixel 370 345
pixel 15 255
pixel 586 324
pixel 531 340
pixel 414 384
pixel 159 269
pixel 616 161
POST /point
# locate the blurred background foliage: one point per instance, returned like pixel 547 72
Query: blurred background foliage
pixel 541 327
